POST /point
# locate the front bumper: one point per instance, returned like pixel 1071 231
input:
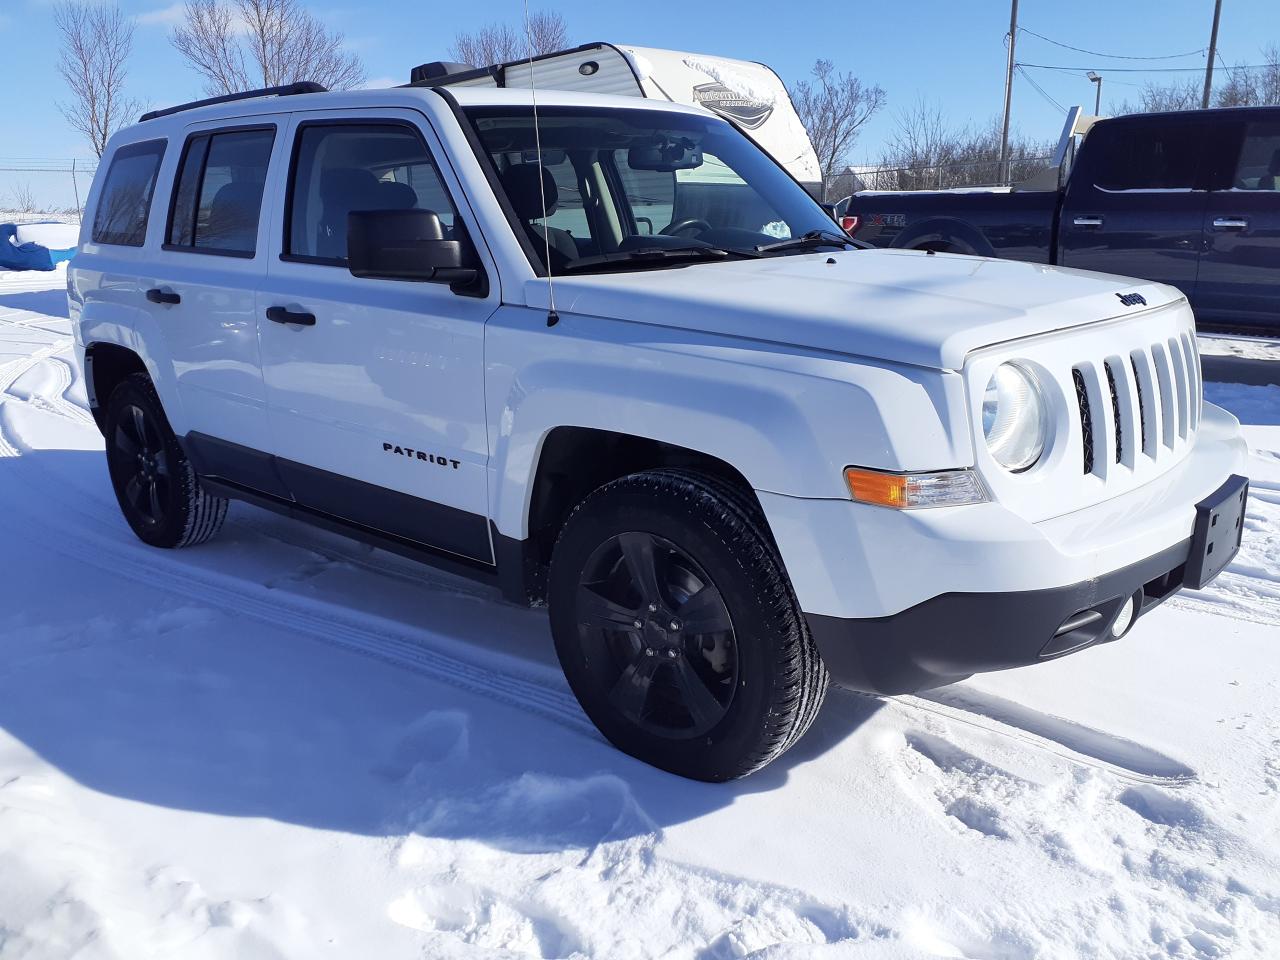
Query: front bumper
pixel 953 636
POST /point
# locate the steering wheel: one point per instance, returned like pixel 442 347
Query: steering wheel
pixel 689 223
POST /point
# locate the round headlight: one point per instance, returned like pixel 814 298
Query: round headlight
pixel 1014 418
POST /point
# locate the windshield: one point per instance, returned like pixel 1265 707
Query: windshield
pixel 642 189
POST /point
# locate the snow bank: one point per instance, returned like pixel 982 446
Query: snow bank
pixel 285 744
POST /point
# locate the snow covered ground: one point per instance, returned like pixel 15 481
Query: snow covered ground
pixel 284 744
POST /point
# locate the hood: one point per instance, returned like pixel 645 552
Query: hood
pixel 929 310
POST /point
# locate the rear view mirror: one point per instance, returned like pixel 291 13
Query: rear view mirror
pixel 666 156
pixel 408 245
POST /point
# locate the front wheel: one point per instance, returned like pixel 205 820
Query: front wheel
pixel 677 628
pixel 156 486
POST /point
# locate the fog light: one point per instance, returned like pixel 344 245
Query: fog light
pixel 1124 620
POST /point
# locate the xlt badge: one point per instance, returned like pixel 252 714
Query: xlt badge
pixel 412 454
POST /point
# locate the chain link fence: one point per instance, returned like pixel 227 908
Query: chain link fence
pixel 34 188
pixel 942 176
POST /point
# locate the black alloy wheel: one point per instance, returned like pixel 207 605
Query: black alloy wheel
pixel 677 627
pixel 156 486
pixel 658 634
pixel 138 445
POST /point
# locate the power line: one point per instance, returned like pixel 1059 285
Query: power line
pixel 1068 69
pixel 1112 56
pixel 1039 89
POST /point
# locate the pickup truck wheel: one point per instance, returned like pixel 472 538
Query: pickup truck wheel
pixel 677 628
pixel 156 486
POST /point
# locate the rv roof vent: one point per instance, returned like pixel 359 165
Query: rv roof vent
pixel 437 69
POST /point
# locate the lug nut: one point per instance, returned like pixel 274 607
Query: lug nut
pixel 673 653
pixel 653 608
pixel 648 651
pixel 637 624
pixel 675 624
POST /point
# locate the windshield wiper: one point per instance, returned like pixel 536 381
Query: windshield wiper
pixel 814 238
pixel 657 255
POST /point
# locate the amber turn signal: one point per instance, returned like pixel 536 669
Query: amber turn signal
pixel 944 488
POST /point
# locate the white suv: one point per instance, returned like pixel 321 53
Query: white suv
pixel 612 357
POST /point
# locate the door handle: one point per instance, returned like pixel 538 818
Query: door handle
pixel 156 295
pixel 1230 223
pixel 285 315
pixel 1087 221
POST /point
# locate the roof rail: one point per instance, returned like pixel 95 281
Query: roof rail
pixel 286 90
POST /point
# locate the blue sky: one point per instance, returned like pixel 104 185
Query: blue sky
pixel 947 52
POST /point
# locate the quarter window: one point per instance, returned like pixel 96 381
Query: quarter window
pixel 218 194
pixel 1147 156
pixel 123 207
pixel 342 168
pixel 1259 165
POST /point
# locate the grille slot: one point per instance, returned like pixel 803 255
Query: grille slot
pixel 1142 403
pixel 1086 418
pixel 1115 410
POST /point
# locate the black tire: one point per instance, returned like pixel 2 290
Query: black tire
pixel 762 670
pixel 155 485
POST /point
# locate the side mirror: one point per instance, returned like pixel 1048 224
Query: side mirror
pixel 409 245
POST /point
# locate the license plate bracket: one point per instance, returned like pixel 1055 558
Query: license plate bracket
pixel 1219 525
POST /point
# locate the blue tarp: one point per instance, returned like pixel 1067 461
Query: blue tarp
pixel 27 256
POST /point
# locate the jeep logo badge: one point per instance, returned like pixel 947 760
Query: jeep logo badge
pixel 1132 299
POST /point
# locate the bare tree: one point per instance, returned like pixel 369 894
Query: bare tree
pixel 96 40
pixel 926 152
pixel 833 107
pixel 502 43
pixel 1257 87
pixel 1246 86
pixel 1163 98
pixel 262 43
pixel 21 200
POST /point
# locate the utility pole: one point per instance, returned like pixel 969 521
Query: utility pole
pixel 1213 52
pixel 1008 90
pixel 1094 77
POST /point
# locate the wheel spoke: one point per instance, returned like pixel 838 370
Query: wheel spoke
pixel 631 691
pixel 140 427
pixel 153 500
pixel 597 610
pixel 125 443
pixel 704 612
pixel 701 703
pixel 642 562
pixel 133 491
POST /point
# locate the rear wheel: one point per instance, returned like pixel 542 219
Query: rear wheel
pixel 155 485
pixel 677 628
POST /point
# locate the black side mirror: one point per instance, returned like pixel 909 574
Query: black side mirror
pixel 409 245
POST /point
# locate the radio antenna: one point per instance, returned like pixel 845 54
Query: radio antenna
pixel 552 317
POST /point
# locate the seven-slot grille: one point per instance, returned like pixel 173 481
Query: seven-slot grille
pixel 1146 403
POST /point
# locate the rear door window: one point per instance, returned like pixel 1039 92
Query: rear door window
pixel 125 203
pixel 1259 165
pixel 218 193
pixel 1149 156
pixel 341 168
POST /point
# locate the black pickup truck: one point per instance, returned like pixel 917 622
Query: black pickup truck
pixel 1191 199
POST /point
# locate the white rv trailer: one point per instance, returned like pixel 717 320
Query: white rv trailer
pixel 748 94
